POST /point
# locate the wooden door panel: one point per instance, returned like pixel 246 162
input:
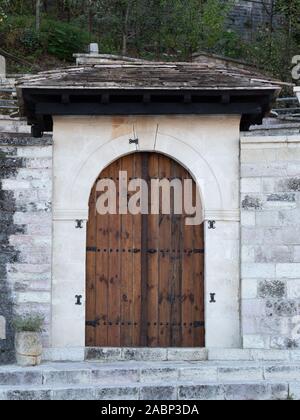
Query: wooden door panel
pixel 145 273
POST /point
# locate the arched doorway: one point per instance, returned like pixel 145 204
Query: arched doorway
pixel 145 273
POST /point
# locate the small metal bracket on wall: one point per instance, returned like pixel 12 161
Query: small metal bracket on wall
pixel 79 224
pixel 78 300
pixel 212 298
pixel 212 224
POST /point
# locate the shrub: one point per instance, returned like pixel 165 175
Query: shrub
pixel 29 323
pixel 62 39
pixel 30 40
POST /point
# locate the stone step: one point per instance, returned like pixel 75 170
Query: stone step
pixel 158 392
pixel 187 354
pixel 91 373
pixel 145 354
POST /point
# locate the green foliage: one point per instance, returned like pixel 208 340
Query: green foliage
pixel 29 323
pixel 30 40
pixel 62 39
pixel 153 29
pixel 56 38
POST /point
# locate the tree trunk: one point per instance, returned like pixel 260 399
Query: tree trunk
pixel 125 31
pixel 38 15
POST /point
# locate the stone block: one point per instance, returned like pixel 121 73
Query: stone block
pixel 199 374
pixel 249 289
pixel 271 289
pixel 67 377
pixel 125 393
pixel 117 376
pixel 231 374
pixel 183 354
pixel 40 163
pixel 206 392
pixel 270 355
pixel 248 254
pixel 282 373
pixel 33 297
pixel 35 152
pixel 267 218
pixel 279 391
pixel 251 202
pixel 73 394
pixel 282 308
pixel 30 395
pixel 68 354
pixel 165 375
pixel 288 270
pixel 273 254
pixel 19 378
pixel 103 355
pixel 158 393
pixel 229 355
pixel 294 391
pixel 253 308
pixel 258 270
pixel 145 354
pixel 251 185
pixel 295 355
pixel 254 341
pixel 252 236
pixel 246 392
pixel 293 289
pixel 248 218
pixel 272 169
pixel 11 185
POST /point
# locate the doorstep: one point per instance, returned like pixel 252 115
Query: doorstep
pixel 107 355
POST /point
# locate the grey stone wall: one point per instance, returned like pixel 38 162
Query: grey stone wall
pixel 25 235
pixel 247 17
pixel 270 185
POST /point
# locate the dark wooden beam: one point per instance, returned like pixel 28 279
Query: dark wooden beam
pixel 48 108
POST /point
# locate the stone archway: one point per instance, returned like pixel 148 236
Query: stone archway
pixel 195 143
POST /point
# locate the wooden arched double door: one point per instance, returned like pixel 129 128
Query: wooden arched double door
pixel 145 273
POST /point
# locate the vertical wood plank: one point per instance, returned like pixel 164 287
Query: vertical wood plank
pixel 153 263
pixel 138 269
pixel 114 289
pixel 175 285
pixel 164 264
pixel 127 165
pixel 144 261
pixel 91 270
pixel 188 293
pixel 102 273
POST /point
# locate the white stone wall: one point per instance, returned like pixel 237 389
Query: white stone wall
pixel 270 219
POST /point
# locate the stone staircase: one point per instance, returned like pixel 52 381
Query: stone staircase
pixel 168 380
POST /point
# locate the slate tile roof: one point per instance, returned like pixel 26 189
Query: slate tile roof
pixel 146 75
